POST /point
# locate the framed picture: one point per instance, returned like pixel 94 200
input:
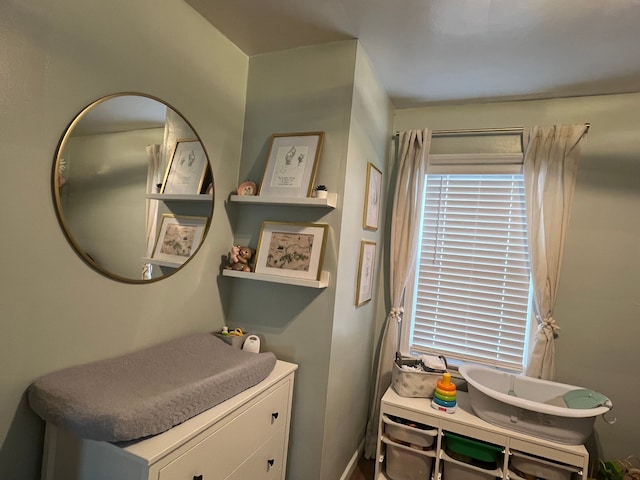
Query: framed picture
pixel 178 237
pixel 291 249
pixel 364 290
pixel 371 213
pixel 291 164
pixel 186 169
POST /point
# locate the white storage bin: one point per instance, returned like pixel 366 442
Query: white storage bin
pixel 408 383
pixel 405 463
pixel 412 436
pixel 454 471
pixel 538 469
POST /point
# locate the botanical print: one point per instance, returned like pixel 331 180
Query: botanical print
pixel 290 251
pixel 290 166
pixel 366 274
pixel 373 199
pixel 178 240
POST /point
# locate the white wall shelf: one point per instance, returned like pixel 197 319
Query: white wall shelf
pixel 322 283
pixel 175 197
pixel 162 263
pixel 330 202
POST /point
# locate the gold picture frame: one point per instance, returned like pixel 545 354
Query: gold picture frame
pixel 366 269
pixel 372 200
pixel 187 168
pixel 294 250
pixel 179 237
pixel 292 163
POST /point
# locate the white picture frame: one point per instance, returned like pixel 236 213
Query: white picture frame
pixel 179 237
pixel 372 200
pixel 187 168
pixel 292 163
pixel 366 269
pixel 294 250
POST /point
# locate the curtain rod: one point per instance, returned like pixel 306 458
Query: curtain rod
pixel 481 131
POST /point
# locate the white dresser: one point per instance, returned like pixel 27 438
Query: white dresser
pixel 245 437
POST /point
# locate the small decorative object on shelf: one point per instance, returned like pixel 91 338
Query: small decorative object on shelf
pixel 321 191
pixel 239 258
pixel 247 188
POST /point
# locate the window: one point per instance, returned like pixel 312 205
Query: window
pixel 471 297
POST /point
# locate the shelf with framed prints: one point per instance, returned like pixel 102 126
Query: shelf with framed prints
pixel 288 253
pixel 322 281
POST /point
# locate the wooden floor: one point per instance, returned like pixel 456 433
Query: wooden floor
pixel 364 470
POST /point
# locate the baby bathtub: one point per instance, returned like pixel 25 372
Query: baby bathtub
pixel 533 406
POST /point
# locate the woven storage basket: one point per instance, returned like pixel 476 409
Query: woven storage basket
pixel 413 384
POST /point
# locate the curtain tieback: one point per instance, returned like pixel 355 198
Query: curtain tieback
pixel 550 324
pixel 396 314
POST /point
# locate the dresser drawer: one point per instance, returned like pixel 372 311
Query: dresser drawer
pixel 266 463
pixel 219 454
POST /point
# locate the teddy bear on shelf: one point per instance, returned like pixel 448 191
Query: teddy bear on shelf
pixel 239 258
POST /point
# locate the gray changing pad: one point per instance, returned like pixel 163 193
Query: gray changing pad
pixel 149 391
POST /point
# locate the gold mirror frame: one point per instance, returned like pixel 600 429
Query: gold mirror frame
pixel 63 180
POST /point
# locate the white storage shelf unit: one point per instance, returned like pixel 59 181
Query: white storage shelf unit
pixel 412 439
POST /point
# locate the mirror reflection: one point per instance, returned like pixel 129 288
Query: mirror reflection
pixel 133 188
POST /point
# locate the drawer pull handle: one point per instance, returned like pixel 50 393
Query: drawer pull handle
pixel 197 477
pixel 271 461
pixel 274 415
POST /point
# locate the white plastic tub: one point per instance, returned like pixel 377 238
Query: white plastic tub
pixel 529 467
pixel 530 405
pixel 422 439
pixel 405 463
pixel 454 471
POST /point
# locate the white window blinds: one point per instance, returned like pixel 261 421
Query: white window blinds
pixel 472 294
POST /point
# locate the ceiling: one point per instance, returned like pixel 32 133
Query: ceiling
pixel 433 51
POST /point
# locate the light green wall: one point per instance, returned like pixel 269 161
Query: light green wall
pixel 300 90
pixel 55 58
pixel 353 333
pixel 598 307
pixel 330 88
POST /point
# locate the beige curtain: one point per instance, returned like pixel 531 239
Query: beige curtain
pixel 407 207
pixel 153 178
pixel 551 156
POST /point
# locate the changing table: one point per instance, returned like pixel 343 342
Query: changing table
pixel 244 437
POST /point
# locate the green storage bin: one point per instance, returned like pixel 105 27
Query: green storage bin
pixel 472 451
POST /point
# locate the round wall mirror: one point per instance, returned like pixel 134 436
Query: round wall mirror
pixel 133 187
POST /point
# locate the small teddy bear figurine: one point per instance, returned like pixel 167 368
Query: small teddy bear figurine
pixel 239 258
